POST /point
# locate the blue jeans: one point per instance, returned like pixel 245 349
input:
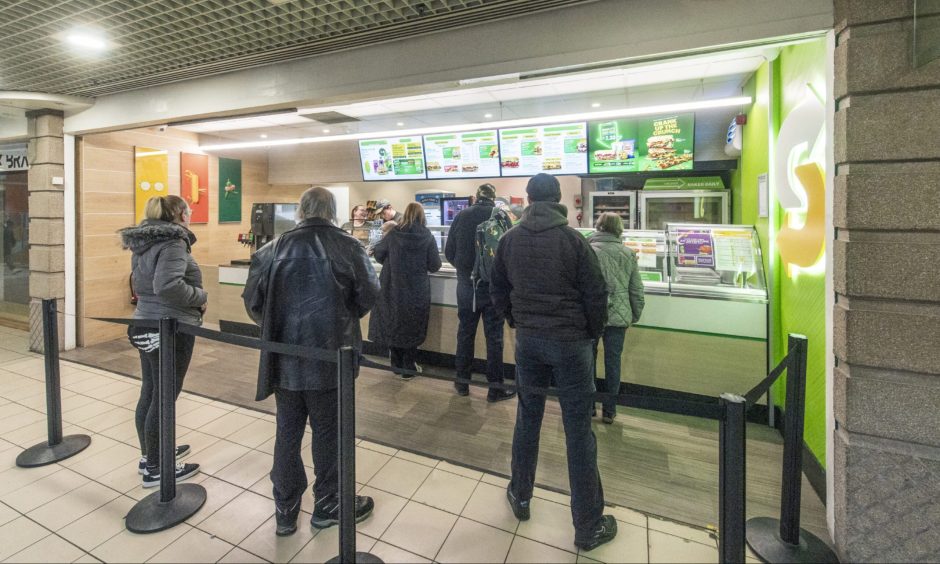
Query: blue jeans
pixel 467 331
pixel 613 349
pixel 538 360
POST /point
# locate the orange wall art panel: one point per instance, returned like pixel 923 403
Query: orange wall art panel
pixel 194 185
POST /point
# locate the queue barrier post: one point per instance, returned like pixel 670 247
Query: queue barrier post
pixel 731 478
pixel 174 503
pixel 57 447
pixel 346 452
pixel 782 540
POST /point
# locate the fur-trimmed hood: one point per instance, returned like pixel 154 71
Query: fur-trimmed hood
pixel 141 237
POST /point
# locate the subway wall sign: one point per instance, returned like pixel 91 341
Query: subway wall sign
pixel 13 159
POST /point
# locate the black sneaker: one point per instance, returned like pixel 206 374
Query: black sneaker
pixel 286 519
pixel 494 396
pixel 326 512
pixel 519 508
pixel 183 472
pixel 604 532
pixel 609 417
pixel 181 452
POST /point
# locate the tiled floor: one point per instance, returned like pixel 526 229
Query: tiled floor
pixel 426 509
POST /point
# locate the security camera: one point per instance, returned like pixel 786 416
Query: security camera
pixel 162 128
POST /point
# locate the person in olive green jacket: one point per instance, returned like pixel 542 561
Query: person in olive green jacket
pixel 624 299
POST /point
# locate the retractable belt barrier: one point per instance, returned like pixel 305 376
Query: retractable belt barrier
pixel 729 410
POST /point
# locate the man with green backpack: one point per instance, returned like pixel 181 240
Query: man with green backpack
pixel 471 247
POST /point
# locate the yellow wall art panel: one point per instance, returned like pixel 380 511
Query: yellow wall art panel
pixel 151 172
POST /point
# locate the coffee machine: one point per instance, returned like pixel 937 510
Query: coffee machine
pixel 268 220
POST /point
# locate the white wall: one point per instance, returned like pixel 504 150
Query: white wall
pixel 599 31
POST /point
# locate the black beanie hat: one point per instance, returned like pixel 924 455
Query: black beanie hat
pixel 543 188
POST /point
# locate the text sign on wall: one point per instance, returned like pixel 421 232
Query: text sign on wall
pixel 13 159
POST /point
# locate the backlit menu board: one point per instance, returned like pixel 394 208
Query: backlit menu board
pixel 394 158
pixel 641 144
pixel 553 149
pixel 470 154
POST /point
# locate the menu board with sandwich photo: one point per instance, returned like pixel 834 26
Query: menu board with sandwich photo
pixel 553 149
pixel 471 154
pixel 397 158
pixel 641 144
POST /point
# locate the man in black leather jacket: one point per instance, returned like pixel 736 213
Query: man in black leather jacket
pixel 547 281
pixel 310 286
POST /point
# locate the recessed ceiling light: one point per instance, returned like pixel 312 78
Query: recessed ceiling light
pixel 326 131
pixel 400 124
pixel 487 116
pixel 264 136
pixel 596 105
pixel 86 41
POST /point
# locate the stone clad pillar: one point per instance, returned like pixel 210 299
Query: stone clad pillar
pixel 46 219
pixel 886 330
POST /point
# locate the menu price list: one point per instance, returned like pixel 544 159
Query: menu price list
pixel 469 154
pixel 554 149
pixel 399 158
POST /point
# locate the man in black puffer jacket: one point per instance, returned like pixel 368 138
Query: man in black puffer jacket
pixel 548 283
pixel 474 303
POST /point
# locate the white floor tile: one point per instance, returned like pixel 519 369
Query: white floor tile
pixel 218 455
pixel 201 416
pixel 378 448
pixel 7 514
pixel 73 506
pixel 550 523
pixel 389 553
pixel 325 545
pixel 194 546
pixel 131 547
pixel 460 470
pixel 446 491
pixel 400 477
pixel 239 518
pixel 31 496
pixel 18 534
pixel 495 480
pixel 248 469
pixel 218 493
pixel 628 546
pixel 229 424
pixel 683 531
pixel 387 508
pixel 412 457
pixel 255 433
pixel 668 548
pixel 368 463
pixel 626 515
pixel 16 478
pixel 470 541
pixel 239 556
pixel 524 551
pixel 489 505
pixel 108 419
pixel 53 548
pixel 118 456
pixel 559 498
pixel 266 544
pixel 420 529
pixel 99 525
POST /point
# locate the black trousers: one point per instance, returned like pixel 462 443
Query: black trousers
pixel 468 318
pixel 403 357
pixel 147 416
pixel 294 410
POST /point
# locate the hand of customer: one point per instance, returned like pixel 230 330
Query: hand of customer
pixel 202 308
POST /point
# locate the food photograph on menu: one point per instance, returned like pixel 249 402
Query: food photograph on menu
pixel 641 144
pixel 397 158
pixel 553 149
pixel 470 154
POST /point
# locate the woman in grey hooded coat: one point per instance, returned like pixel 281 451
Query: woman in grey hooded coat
pixel 168 283
pixel 625 298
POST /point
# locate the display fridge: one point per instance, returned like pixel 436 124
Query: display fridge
pixel 620 202
pixel 658 208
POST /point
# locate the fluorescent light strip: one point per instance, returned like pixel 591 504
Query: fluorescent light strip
pixel 544 120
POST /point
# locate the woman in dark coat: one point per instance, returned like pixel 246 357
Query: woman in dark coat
pixel 400 318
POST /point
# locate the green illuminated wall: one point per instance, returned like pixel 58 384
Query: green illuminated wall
pixel 799 299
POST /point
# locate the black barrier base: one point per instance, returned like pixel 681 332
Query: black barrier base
pixel 361 558
pixel 150 515
pixel 43 453
pixel 763 536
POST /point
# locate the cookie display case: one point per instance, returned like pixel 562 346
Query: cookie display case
pixel 657 208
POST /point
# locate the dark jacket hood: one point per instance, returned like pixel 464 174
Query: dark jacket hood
pixel 149 232
pixel 413 236
pixel 541 216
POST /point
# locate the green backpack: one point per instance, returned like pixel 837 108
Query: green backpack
pixel 487 239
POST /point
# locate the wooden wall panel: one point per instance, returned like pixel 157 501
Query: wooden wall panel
pixel 106 204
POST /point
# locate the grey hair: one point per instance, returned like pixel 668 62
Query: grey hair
pixel 317 202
